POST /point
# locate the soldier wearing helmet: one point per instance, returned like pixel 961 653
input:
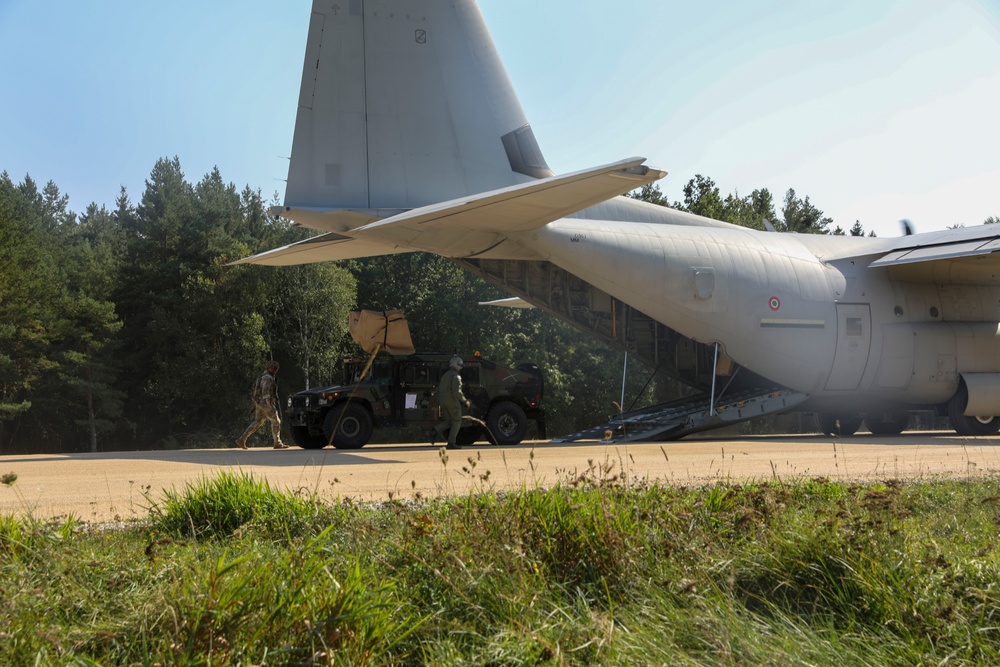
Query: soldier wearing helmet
pixel 451 398
pixel 265 406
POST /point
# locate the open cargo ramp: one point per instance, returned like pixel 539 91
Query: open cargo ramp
pixel 676 419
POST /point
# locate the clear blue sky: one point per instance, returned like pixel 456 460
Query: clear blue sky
pixel 876 110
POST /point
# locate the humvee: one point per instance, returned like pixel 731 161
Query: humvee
pixel 401 391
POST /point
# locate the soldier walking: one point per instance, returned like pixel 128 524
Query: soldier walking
pixel 265 406
pixel 451 398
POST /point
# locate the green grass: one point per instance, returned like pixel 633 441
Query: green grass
pixel 596 571
pixel 230 503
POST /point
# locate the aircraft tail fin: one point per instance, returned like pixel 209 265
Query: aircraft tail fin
pixel 404 104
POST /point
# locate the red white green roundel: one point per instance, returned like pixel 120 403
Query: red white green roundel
pixel 774 303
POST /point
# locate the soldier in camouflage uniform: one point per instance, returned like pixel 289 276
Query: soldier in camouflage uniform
pixel 265 406
pixel 451 398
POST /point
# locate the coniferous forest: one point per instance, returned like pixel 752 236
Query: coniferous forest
pixel 126 328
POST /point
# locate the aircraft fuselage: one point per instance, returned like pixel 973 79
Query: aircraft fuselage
pixel 832 329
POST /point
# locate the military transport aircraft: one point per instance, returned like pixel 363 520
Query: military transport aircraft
pixel 409 137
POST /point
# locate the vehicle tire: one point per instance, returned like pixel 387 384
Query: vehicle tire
pixel 890 423
pixel 469 435
pixel 305 440
pixel 838 424
pixel 964 425
pixel 349 426
pixel 507 422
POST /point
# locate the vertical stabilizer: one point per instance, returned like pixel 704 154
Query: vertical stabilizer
pixel 404 103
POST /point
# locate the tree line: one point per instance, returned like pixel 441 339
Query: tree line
pixel 126 328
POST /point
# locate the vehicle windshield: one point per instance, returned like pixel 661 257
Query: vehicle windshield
pixel 379 372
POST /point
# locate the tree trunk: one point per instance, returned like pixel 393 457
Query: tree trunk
pixel 91 418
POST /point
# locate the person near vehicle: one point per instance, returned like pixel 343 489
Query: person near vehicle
pixel 451 399
pixel 265 406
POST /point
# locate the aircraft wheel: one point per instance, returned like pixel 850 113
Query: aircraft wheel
pixel 507 422
pixel 887 423
pixel 964 425
pixel 836 424
pixel 305 440
pixel 349 426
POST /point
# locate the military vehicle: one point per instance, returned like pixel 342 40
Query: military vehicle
pixel 400 390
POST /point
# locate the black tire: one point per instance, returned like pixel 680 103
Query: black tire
pixel 469 435
pixel 302 438
pixel 887 423
pixel 507 422
pixel 965 425
pixel 353 426
pixel 838 424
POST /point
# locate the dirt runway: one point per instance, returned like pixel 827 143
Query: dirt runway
pixel 115 486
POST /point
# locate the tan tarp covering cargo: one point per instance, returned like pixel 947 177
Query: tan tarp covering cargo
pixel 376 330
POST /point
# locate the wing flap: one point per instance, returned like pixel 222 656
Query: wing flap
pixel 957 250
pixel 967 255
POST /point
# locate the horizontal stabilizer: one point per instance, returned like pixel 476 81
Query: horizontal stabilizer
pixel 337 220
pixel 458 228
pixel 522 207
pixel 322 248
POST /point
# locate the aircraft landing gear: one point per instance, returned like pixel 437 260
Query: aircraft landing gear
pixel 965 425
pixel 887 423
pixel 838 424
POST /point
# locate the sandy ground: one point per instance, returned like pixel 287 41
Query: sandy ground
pixel 114 486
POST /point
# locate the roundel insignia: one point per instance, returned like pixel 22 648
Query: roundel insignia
pixel 774 303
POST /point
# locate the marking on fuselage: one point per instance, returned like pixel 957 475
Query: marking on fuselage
pixel 767 323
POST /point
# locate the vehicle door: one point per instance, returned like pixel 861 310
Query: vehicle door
pixel 472 387
pixel 418 382
pixel 379 386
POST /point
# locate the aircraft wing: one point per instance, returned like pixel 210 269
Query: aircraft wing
pixel 964 255
pixel 949 244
